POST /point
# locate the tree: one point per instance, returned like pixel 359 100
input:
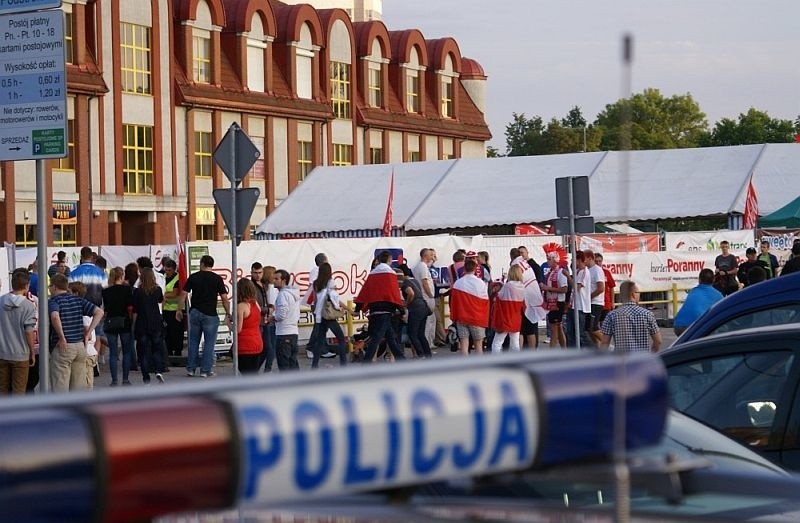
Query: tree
pixel 522 133
pixel 753 127
pixel 492 152
pixel 656 122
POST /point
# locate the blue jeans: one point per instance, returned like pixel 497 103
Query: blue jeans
pixel 126 338
pixel 152 354
pixel 569 320
pixel 269 339
pixel 286 352
pixel 417 317
pixel 319 341
pixel 207 326
pixel 380 326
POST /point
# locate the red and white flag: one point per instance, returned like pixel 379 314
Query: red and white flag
pixel 750 218
pixel 182 272
pixel 381 285
pixel 508 306
pixel 469 301
pixel 533 294
pixel 387 220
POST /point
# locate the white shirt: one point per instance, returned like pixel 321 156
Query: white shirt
pixel 583 296
pixel 596 274
pixel 421 272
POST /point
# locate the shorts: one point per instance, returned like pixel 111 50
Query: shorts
pixel 594 324
pixel 470 331
pixel 527 328
pixel 556 316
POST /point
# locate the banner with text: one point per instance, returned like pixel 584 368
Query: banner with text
pixel 709 241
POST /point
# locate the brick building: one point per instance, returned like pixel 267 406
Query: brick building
pixel 153 85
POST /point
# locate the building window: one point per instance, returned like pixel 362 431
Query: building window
pixel 375 155
pixel 68 162
pixel 204 232
pixel 414 156
pixel 447 97
pixel 342 154
pixel 68 40
pixel 412 91
pixel 202 154
pixel 26 235
pixel 375 88
pixel 137 159
pixel 201 59
pixel 135 44
pixel 64 235
pixel 303 160
pixel 340 89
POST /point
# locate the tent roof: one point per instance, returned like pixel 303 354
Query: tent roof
pixel 786 216
pixel 479 192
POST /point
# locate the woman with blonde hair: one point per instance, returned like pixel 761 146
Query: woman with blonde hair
pixel 117 303
pixel 148 325
pixel 248 327
pixel 507 311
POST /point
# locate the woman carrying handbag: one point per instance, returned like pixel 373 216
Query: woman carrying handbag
pixel 118 302
pixel 327 297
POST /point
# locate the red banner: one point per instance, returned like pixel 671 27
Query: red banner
pixel 750 207
pixel 387 220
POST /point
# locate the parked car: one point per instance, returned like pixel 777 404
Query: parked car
pixel 771 302
pixel 745 384
pixel 693 473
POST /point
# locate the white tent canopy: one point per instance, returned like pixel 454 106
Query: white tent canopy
pixel 498 191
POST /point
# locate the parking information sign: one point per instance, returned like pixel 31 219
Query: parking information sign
pixel 33 116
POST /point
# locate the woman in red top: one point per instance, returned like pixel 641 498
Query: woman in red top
pixel 248 319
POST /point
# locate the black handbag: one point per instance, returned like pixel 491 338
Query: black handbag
pixel 115 324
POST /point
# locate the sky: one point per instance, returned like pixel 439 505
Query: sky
pixel 542 57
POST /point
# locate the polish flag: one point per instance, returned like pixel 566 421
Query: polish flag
pixel 508 306
pixel 750 207
pixel 533 294
pixel 469 301
pixel 182 274
pixel 381 285
pixel 387 220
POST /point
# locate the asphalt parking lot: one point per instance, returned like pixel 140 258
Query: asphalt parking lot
pixel 224 366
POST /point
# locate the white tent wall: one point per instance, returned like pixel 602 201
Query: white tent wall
pixel 483 192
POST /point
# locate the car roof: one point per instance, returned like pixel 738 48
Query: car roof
pixel 763 333
pixel 748 298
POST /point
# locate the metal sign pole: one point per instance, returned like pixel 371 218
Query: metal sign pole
pixel 573 248
pixel 41 254
pixel 234 306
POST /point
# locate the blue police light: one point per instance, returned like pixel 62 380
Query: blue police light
pixel 300 437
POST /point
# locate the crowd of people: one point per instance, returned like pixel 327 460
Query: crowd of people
pixel 136 318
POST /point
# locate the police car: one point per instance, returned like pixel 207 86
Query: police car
pixel 440 436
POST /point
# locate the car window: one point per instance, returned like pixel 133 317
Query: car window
pixel 736 394
pixel 788 313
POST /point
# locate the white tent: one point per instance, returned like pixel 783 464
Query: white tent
pixel 351 201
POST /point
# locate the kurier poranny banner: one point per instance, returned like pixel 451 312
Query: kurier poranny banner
pixel 657 271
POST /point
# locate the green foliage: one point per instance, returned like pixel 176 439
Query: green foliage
pixel 751 128
pixel 522 134
pixel 526 137
pixel 656 122
pixel 492 152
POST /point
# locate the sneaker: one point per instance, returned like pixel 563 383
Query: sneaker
pixel 329 354
pixel 209 374
pixel 309 354
pixel 126 382
pixel 114 383
pixel 159 377
pixel 146 382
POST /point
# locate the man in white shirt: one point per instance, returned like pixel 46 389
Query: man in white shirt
pixel 285 317
pixel 581 305
pixel 598 289
pixel 422 273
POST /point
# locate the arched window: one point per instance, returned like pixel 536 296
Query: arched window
pixel 201 44
pixel 413 78
pixel 375 76
pixel 341 70
pixel 304 57
pixel 448 77
pixel 256 44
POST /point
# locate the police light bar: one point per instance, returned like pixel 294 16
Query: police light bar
pixel 122 456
